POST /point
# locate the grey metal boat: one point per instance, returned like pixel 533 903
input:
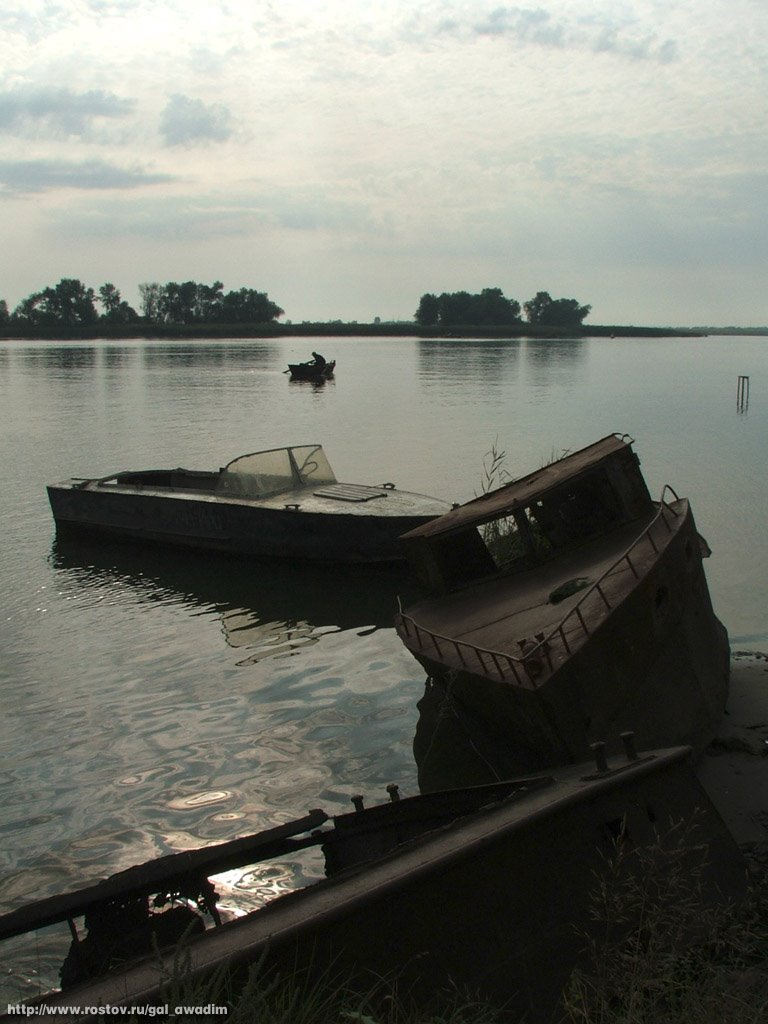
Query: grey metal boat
pixel 282 502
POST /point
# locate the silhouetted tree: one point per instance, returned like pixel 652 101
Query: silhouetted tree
pixel 150 300
pixel 428 313
pixel 544 310
pixel 453 309
pixel 191 302
pixel 249 306
pixel 116 311
pixel 5 315
pixel 69 302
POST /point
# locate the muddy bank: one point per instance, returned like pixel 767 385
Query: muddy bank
pixel 734 768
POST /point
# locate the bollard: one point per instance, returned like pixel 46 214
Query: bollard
pixel 601 762
pixel 628 739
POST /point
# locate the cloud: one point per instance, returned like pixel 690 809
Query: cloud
pixel 57 112
pixel 30 24
pixel 208 217
pixel 603 33
pixel 186 121
pixel 27 176
pixel 530 25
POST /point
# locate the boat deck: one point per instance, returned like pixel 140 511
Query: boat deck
pixel 502 614
pixel 337 498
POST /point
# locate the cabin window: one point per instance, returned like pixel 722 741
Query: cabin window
pixel 503 540
pixel 463 558
pixel 515 539
pixel 582 509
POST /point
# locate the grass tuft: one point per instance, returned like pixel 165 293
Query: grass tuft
pixel 662 952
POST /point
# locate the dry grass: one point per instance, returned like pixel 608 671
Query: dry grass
pixel 662 952
pixel 659 951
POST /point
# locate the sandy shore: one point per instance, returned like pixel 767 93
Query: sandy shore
pixel 734 768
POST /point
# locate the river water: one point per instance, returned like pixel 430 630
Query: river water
pixel 156 700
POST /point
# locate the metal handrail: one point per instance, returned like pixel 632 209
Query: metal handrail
pixel 531 662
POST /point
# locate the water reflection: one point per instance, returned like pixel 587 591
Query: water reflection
pixel 484 359
pixel 266 608
pixel 64 357
pixel 545 352
pixel 165 747
pixel 118 357
pixel 209 354
pixel 313 385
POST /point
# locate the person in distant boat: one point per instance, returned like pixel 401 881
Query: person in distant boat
pixel 318 361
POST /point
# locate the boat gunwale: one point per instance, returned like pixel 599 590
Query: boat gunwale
pixel 284 501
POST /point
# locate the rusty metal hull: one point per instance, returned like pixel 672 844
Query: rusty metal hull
pixel 655 662
pixel 491 902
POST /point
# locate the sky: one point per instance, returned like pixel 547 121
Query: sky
pixel 348 156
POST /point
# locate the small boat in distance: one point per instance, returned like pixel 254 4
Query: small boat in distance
pixel 311 371
pixel 566 606
pixel 281 503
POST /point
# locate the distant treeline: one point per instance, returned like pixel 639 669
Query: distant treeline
pixel 492 308
pixel 70 303
pixel 732 330
pixel 192 310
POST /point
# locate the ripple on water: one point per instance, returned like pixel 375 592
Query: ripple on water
pixel 195 800
pixel 180 760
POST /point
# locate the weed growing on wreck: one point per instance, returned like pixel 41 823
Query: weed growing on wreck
pixel 494 473
pixel 500 535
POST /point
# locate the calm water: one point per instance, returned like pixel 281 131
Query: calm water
pixel 157 700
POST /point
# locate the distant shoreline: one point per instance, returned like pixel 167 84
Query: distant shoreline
pixel 106 331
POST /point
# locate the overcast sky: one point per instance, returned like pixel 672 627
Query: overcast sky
pixel 346 156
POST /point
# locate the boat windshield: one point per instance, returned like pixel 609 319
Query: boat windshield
pixel 262 474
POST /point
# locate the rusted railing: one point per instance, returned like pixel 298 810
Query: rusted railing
pixel 530 664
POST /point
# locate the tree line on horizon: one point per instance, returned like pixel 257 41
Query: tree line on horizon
pixel 492 308
pixel 70 303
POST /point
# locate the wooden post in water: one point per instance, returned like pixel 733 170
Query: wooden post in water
pixel 742 393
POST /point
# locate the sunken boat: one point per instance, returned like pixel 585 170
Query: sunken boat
pixel 481 889
pixel 564 606
pixel 282 502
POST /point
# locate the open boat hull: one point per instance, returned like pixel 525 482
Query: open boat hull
pixel 484 890
pixel 310 372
